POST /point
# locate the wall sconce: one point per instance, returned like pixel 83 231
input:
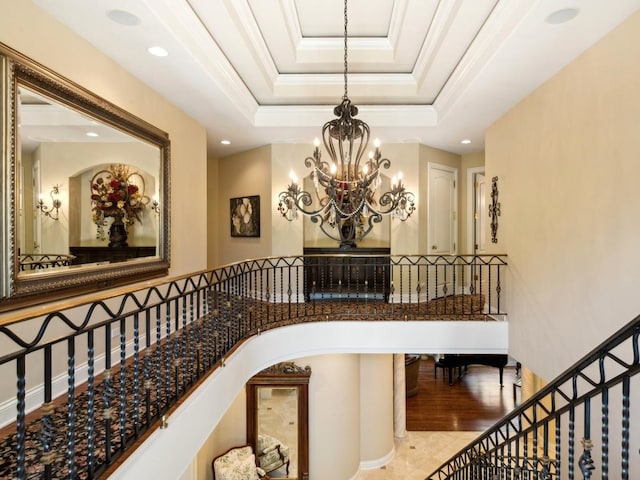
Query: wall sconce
pixel 56 203
pixel 155 205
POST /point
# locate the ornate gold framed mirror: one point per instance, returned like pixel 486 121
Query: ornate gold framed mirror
pixel 85 189
pixel 278 420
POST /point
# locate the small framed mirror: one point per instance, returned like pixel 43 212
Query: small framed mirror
pixel 85 189
pixel 278 420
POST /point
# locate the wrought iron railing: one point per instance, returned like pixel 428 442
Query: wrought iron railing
pixel 580 425
pixel 92 378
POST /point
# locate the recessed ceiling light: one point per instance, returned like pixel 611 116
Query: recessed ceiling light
pixel 225 142
pixel 562 16
pixel 123 17
pixel 92 134
pixel 158 52
pixel 466 141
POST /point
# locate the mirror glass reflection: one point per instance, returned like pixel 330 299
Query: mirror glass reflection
pixel 77 178
pixel 277 435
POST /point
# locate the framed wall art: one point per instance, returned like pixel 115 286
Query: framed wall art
pixel 245 216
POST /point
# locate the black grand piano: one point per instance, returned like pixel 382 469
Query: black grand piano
pixel 462 361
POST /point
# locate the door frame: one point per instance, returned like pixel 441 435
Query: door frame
pixel 471 198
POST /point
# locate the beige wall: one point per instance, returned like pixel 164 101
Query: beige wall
pixel 348 393
pixel 231 431
pixel 567 162
pixel 213 203
pixel 29 30
pixel 242 175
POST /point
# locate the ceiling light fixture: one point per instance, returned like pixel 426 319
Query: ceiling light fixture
pixel 123 17
pixel 345 204
pixel 158 51
pixel 562 16
pixel 466 141
pixel 225 142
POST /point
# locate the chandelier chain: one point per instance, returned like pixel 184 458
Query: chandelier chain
pixel 346 96
pixel 346 203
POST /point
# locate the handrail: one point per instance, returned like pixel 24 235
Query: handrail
pixel 105 371
pixel 538 439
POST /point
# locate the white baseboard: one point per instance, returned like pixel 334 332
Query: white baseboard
pixel 378 462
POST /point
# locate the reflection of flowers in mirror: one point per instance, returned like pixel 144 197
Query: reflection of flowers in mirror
pixel 114 194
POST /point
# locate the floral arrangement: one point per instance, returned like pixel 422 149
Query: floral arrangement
pixel 114 195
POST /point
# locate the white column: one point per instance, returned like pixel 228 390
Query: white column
pixel 399 397
pixel 376 410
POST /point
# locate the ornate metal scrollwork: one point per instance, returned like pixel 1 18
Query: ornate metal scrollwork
pixel 285 368
pixel 494 210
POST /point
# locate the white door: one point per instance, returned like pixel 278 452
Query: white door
pixel 442 224
pixel 442 210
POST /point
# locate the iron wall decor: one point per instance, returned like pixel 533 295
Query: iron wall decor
pixel 245 216
pixel 494 210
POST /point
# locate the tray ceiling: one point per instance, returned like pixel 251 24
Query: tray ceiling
pixel 269 71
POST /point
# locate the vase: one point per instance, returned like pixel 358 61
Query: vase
pixel 118 232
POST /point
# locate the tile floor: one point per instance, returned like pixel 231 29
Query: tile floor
pixel 419 454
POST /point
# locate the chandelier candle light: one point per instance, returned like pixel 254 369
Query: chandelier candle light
pixel 345 187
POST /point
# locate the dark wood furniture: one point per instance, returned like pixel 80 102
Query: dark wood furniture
pixel 108 254
pixel 411 370
pixel 462 361
pixel 354 274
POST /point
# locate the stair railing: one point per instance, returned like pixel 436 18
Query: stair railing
pixel 94 376
pixel 580 425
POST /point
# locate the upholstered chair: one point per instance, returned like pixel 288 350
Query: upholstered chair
pixel 238 463
pixel 272 454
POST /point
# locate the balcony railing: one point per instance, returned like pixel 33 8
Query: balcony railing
pixel 583 424
pixel 93 378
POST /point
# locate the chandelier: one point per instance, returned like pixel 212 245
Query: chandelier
pixel 345 201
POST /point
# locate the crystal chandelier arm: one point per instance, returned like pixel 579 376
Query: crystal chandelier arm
pixel 294 199
pixel 397 201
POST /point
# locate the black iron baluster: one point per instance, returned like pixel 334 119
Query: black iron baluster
pixel 71 408
pixel 91 390
pixel 136 374
pixel 176 358
pixel 545 473
pixel 534 437
pixel 605 433
pixel 525 456
pixel 168 357
pixel 183 352
pixel 572 433
pixel 122 410
pixel 196 322
pixel 586 462
pixel 626 401
pixel 47 426
pixel 558 459
pixel 107 393
pixel 158 362
pixel 147 384
pixel 21 371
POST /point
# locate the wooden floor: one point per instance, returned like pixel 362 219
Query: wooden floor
pixel 473 403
